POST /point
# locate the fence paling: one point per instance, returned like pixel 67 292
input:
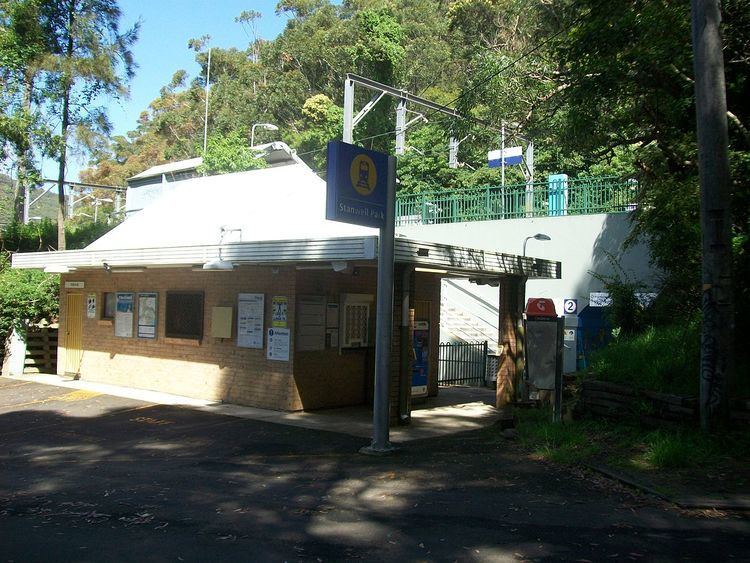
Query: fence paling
pixel 575 197
pixel 462 363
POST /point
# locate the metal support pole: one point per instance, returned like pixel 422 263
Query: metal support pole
pixel 401 126
pixel 205 117
pixel 502 155
pixel 348 136
pixel 453 153
pixel 530 178
pixel 384 324
pixel 557 406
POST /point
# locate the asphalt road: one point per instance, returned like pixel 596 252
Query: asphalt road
pixel 87 477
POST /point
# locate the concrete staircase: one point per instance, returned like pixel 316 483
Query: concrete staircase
pixel 458 324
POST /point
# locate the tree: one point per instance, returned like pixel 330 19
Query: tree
pixel 92 58
pixel 24 48
pixel 229 154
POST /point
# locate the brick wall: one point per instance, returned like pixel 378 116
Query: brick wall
pixel 212 368
pixel 217 369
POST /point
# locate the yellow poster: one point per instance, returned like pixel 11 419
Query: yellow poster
pixel 279 308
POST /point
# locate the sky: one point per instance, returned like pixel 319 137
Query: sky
pixel 162 49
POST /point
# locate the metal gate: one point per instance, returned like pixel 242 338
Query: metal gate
pixel 462 363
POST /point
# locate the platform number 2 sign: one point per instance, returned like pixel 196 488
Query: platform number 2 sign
pixel 570 306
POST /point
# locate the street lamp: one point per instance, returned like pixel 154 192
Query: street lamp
pixel 538 236
pixel 266 126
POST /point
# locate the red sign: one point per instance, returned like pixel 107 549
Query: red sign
pixel 540 307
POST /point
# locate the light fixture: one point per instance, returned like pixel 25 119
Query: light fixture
pixel 339 265
pixel 430 270
pixel 538 236
pixel 266 126
pixel 218 264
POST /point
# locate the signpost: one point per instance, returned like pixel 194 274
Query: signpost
pixel 361 189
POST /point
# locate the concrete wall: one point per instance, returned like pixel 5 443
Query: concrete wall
pixel 582 243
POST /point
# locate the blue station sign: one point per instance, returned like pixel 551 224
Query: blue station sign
pixel 357 187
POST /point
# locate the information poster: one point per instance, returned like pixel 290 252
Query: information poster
pixel 91 306
pixel 250 320
pixel 280 306
pixel 147 313
pixel 124 315
pixel 278 344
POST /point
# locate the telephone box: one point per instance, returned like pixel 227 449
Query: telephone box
pixel 544 349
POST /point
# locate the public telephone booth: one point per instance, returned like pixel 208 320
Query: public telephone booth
pixel 544 351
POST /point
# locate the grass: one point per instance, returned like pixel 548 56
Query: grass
pixel 626 444
pixel 663 359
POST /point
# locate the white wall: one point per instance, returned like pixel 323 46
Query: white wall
pixel 580 242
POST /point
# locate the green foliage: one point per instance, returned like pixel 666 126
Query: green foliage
pixel 229 153
pixel 40 236
pixel 26 296
pixel 322 122
pixel 559 442
pixel 627 314
pixel 677 449
pixel 664 359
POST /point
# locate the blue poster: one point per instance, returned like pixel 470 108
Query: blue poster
pixel 421 363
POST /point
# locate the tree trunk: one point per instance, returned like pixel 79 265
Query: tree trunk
pixel 717 331
pixel 24 158
pixel 67 85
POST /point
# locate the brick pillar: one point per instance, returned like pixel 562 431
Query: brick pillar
pixel 512 339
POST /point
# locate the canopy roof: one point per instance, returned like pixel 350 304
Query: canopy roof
pixel 272 215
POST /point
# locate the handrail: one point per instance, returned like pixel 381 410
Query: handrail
pixel 580 196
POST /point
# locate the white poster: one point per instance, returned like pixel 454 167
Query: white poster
pixel 124 315
pixel 147 311
pixel 278 344
pixel 250 320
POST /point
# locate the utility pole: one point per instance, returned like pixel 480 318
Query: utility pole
pixel 717 332
pixel 205 116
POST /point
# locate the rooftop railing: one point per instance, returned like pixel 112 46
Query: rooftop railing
pixel 555 198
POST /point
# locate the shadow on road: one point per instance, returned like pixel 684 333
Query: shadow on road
pixel 152 482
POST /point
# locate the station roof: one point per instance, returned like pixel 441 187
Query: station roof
pixel 268 216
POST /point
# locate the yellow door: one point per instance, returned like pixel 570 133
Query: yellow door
pixel 74 334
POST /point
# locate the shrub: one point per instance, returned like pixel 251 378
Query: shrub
pixel 26 296
pixel 664 359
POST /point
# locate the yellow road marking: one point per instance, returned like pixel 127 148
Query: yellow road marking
pixel 78 395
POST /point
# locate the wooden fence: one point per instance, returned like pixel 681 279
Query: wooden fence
pixel 619 401
pixel 41 351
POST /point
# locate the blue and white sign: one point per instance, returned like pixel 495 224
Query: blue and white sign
pixel 357 188
pixel 570 306
pixel 511 155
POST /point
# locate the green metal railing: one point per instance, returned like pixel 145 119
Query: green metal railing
pixel 583 196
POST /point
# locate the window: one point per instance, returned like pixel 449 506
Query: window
pixel 184 315
pixel 109 301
